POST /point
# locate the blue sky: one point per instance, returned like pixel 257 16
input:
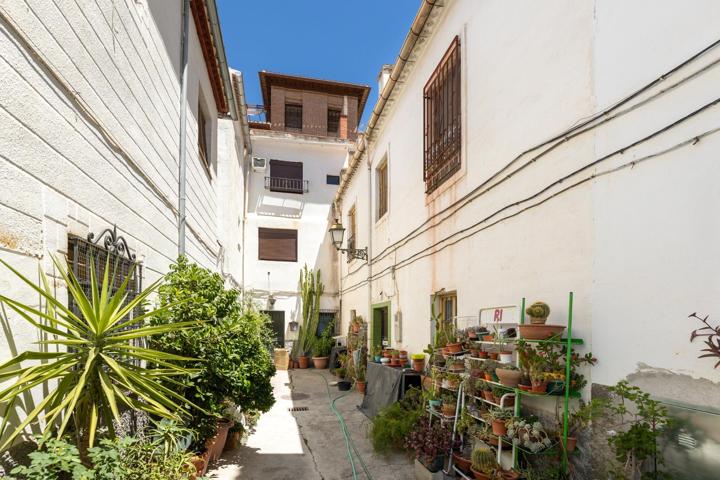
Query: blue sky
pixel 344 40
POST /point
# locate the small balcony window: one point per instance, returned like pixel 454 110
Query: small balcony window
pixel 333 121
pixel 286 177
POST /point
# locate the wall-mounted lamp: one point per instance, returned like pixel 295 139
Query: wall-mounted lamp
pixel 337 232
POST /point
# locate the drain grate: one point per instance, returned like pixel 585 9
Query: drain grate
pixel 298 409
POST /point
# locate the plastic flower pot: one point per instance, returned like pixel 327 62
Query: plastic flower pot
pixel 505 357
pixel 482 354
pixel 556 387
pixel 344 385
pixel 320 362
pixel 378 358
pixel 385 360
pixel 303 361
pixel 418 365
pixel 493 355
pixel 434 465
pixel 538 387
pixel 435 404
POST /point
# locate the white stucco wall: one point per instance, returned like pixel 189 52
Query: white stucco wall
pixel 637 246
pixel 308 213
pixel 60 171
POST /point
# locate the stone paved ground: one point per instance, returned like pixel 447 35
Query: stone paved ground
pixel 308 445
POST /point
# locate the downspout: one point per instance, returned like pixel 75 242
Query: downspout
pixel 182 156
pixel 370 231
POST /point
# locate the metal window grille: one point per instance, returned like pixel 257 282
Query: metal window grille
pixel 84 253
pixel 442 120
pixel 293 116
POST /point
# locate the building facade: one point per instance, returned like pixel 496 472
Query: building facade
pixel 90 115
pixel 531 150
pixel 298 153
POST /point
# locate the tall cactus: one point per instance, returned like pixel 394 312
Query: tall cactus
pixel 311 289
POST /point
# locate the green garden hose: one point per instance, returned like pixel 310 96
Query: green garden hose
pixel 349 444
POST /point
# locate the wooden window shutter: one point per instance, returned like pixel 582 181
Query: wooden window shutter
pixel 277 244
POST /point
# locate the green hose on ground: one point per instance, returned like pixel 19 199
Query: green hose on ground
pixel 349 444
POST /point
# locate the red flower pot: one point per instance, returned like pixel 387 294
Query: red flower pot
pixel 454 347
pixel 461 462
pixel 499 428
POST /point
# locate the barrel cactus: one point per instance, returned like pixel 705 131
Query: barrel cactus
pixel 538 312
pixel 483 460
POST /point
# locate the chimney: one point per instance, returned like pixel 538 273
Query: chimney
pixel 343 125
pixel 384 76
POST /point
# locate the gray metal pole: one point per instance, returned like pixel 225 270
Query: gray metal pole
pixel 182 160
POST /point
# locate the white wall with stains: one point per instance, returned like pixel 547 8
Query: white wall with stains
pixel 638 245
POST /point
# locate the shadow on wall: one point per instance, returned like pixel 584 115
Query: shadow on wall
pixel 18 452
pixel 277 205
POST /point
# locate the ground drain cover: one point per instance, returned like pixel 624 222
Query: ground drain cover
pixel 298 409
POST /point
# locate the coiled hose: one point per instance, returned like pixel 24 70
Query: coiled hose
pixel 349 444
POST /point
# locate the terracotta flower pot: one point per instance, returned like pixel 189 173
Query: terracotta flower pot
pixel 571 444
pixel 418 365
pixel 488 338
pixel 320 362
pixel 499 428
pixel 360 386
pixel 223 427
pixel 479 475
pixel 540 332
pixel 509 378
pixel 525 388
pixel 232 442
pixel 403 353
pixel 538 387
pixel 510 475
pixel 200 462
pixel 462 462
pixel 488 395
pixel 493 355
pixel 482 354
pixel 448 409
pixel 454 347
pixel 487 376
pixel 303 362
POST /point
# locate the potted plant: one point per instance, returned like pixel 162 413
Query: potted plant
pixel 499 392
pixel 483 463
pixel 376 353
pixel 448 405
pixel 529 435
pixel 360 378
pixel 509 375
pixel 430 442
pixel 463 458
pixel 321 350
pixel 498 418
pixel 538 313
pixel 580 419
pixel 418 362
pixel 453 381
pixel 505 356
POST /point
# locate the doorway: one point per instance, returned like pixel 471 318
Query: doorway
pixel 381 325
pixel 277 325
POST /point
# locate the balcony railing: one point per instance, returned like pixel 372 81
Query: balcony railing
pixel 257 114
pixel 288 185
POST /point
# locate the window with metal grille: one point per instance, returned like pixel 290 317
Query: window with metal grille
pixel 277 244
pixel 333 120
pixel 442 120
pixel 202 139
pixel 293 116
pixel 324 319
pixel 84 254
pixel 382 189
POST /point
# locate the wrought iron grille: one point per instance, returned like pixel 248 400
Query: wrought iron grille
pixel 84 253
pixel 288 185
pixel 442 120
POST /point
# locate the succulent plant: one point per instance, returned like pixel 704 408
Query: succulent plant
pixel 483 460
pixel 538 310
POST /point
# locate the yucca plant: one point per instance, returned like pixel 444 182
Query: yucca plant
pixel 96 366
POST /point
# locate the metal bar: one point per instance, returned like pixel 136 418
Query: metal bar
pixel 182 156
pixel 568 359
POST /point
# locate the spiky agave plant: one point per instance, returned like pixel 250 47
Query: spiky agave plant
pixel 96 366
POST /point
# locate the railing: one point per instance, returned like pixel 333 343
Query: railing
pixel 289 185
pixel 257 113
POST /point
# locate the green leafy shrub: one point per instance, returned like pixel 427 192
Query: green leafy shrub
pixel 232 344
pixel 323 345
pixel 120 459
pixel 395 422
